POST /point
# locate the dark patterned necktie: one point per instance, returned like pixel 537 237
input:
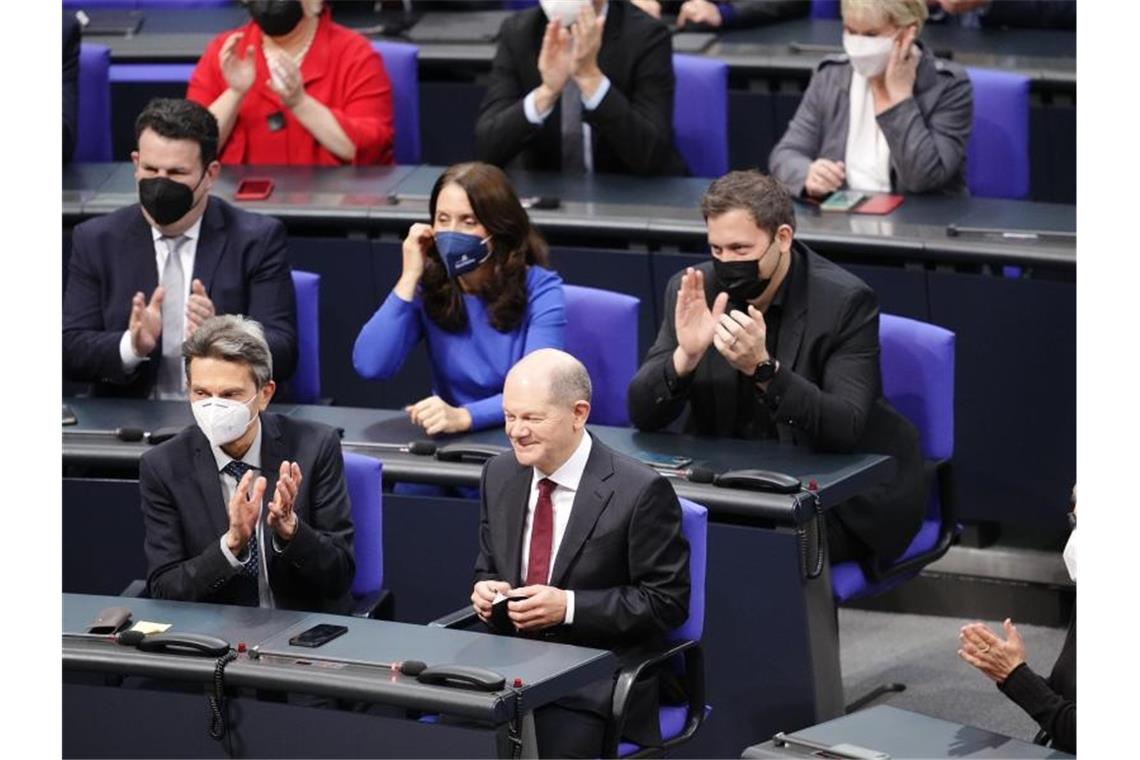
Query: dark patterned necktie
pixel 237 470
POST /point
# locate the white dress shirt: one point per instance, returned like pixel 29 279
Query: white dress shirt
pixel 186 253
pixel 588 104
pixel 566 479
pixel 252 457
pixel 868 157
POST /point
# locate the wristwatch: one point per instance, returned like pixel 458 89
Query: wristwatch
pixel 765 370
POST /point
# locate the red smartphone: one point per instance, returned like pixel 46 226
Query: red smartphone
pixel 879 204
pixel 253 189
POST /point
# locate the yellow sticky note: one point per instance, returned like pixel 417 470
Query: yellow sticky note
pixel 146 627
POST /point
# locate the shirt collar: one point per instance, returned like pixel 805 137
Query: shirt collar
pixel 569 475
pixel 192 233
pixel 252 456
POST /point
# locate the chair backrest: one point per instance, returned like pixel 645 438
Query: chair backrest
pixel 695 526
pixel 93 141
pixel 401 61
pixel 825 9
pixel 601 332
pixel 917 361
pixel 700 113
pixel 362 475
pixel 997 154
pixel 305 385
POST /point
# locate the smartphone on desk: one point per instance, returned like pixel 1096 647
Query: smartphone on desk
pixel 254 189
pixel 318 635
pixel 665 461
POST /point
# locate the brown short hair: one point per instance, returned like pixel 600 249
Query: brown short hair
pixel 760 195
pixel 515 244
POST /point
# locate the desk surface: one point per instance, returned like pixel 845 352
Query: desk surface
pixel 1046 56
pixel 353 666
pixel 838 476
pixel 901 733
pixel 662 209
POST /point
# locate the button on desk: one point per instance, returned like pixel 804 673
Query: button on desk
pixel 771 642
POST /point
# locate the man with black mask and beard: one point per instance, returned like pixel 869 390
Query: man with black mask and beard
pixel 143 278
pixel 771 340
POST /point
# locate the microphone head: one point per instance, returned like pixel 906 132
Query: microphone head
pixel 412 667
pixel 422 448
pixel 129 434
pixel 130 638
pixel 702 475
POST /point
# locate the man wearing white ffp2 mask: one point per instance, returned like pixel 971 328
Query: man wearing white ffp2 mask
pixel 246 506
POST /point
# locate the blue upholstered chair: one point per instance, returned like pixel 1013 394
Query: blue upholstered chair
pixel 700 114
pixel 997 154
pixel 601 332
pixel 93 141
pixel 401 61
pixel 678 722
pixel 362 476
pixel 918 380
pixel 305 385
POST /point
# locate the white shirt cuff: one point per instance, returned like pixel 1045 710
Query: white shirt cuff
pixel 234 561
pixel 531 110
pixel 599 94
pixel 127 353
pixel 569 608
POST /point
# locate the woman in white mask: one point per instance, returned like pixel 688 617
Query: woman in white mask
pixel 887 116
pixel 1052 701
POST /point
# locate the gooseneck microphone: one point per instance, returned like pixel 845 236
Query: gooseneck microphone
pixel 692 474
pixel 125 434
pixel 419 448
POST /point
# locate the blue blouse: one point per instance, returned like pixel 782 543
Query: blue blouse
pixel 468 367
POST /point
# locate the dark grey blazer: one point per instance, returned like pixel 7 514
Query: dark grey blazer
pixel 927 133
pixel 623 555
pixel 185 516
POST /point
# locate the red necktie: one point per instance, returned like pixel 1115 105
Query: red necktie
pixel 541 536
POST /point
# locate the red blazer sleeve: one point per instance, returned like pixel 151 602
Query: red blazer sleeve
pixel 364 109
pixel 207 82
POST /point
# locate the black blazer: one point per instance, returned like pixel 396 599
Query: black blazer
pixel 827 395
pixel 185 516
pixel 240 260
pixel 623 555
pixel 632 126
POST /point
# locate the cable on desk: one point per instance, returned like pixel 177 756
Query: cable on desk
pixel 801 534
pixel 514 727
pixel 218 698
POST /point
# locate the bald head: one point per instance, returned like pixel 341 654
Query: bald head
pixel 564 378
pixel 546 401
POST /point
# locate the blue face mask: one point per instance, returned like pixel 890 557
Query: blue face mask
pixel 461 252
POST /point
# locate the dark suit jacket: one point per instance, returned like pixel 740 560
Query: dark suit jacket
pixel 632 126
pixel 746 13
pixel 185 516
pixel 827 395
pixel 623 555
pixel 240 260
pixel 71 40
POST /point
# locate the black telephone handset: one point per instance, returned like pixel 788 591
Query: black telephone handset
pixel 468 452
pixel 197 644
pixel 759 480
pixel 463 677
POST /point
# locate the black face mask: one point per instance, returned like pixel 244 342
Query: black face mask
pixel 276 17
pixel 741 279
pixel 165 200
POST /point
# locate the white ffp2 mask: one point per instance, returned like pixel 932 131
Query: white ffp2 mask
pixel 223 420
pixel 868 55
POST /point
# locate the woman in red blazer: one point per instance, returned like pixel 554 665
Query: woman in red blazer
pixel 293 87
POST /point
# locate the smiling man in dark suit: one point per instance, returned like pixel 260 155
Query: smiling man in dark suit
pixel 771 340
pixel 581 86
pixel 211 533
pixel 590 537
pixel 141 279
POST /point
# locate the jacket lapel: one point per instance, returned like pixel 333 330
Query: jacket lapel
pixel 591 499
pixel 514 501
pixel 211 245
pixel 210 484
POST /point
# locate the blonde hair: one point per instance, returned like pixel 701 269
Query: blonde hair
pixel 900 13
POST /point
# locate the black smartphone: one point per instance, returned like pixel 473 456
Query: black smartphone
pixel 318 635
